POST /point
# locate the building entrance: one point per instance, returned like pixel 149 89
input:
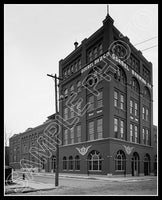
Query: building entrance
pixel 135 164
pixel 147 165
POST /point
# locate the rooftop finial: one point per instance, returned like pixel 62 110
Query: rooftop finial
pixel 107 9
pixel 76 44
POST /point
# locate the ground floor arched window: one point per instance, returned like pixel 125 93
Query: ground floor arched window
pixel 64 163
pixel 42 163
pixel 77 163
pixel 94 161
pixel 120 161
pixel 147 166
pixel 71 163
pixel 53 163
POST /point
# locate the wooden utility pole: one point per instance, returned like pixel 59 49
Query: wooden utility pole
pixel 57 146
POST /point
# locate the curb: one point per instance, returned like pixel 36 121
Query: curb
pixel 35 190
pixel 31 190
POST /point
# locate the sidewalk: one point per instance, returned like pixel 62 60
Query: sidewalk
pixel 101 177
pixel 27 186
pixel 22 186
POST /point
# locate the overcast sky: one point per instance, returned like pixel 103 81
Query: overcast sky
pixel 37 36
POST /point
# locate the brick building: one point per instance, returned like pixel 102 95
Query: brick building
pixel 115 135
pixel 6 156
pixel 21 143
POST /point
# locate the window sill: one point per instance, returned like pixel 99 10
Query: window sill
pixel 95 170
pixel 134 142
pixel 90 114
pixel 119 170
pixel 123 110
pixel 118 108
pixel 145 120
pixel 131 117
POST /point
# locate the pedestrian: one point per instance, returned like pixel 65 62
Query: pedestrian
pixel 23 176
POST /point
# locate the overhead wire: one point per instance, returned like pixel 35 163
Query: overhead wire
pixel 149 48
pixel 145 41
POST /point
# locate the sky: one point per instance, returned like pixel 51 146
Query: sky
pixel 37 36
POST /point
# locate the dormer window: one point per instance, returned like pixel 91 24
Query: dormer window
pixel 65 73
pixel 100 49
pixel 79 64
pixel 72 68
pixel 76 67
pixel 66 92
pixel 68 71
pixel 90 56
pixel 95 52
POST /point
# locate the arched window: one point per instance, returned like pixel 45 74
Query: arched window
pixel 66 92
pixel 53 163
pixel 120 160
pixel 43 163
pixel 72 68
pixel 70 163
pixel 147 158
pixel 68 71
pixel 79 64
pixel 72 89
pixel 94 161
pixel 135 85
pixel 77 163
pixel 64 163
pixel 65 73
pixel 135 164
pixel 78 86
pixel 95 52
pixel 146 93
pixel 76 67
pixel 122 76
pixel 91 79
pixel 90 56
pixel 100 49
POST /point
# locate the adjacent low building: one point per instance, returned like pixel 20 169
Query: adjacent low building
pixel 22 148
pixel 6 155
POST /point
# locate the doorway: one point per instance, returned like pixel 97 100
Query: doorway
pixel 147 165
pixel 135 164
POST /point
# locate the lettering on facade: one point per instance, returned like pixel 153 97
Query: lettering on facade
pixel 83 150
pixel 115 58
pixel 140 78
pixel 120 62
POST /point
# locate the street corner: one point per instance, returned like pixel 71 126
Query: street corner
pixel 16 190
